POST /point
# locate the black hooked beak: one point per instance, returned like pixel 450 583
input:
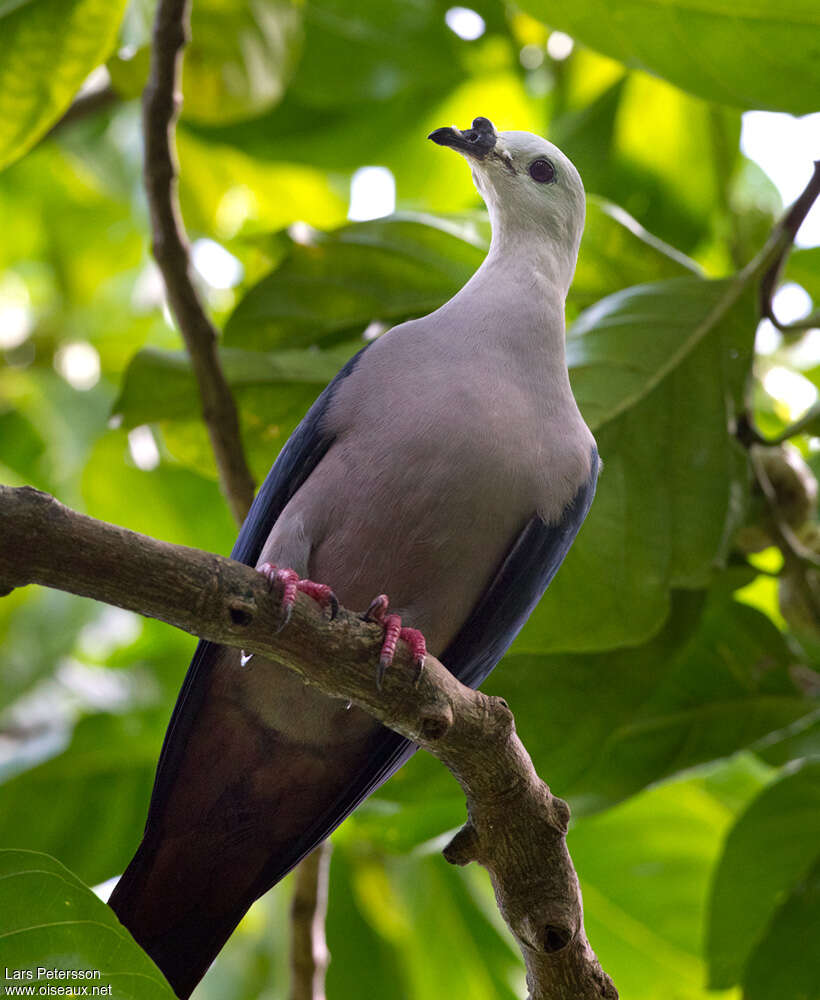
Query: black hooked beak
pixel 477 141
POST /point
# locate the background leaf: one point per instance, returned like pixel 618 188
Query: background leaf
pixel 52 920
pixel 711 50
pixel 42 68
pixel 765 890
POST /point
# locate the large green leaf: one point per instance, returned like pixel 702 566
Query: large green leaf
pixel 50 920
pixel 671 356
pixel 684 698
pixel 616 252
pixel 765 891
pixel 49 48
pixel 169 501
pixel 764 54
pixel 38 628
pixel 241 57
pixel 160 384
pixel 388 270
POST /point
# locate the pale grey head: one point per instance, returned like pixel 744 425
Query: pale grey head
pixel 532 190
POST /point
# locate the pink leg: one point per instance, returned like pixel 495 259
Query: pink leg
pixel 393 632
pixel 291 583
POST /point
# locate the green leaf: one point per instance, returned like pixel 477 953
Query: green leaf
pixel 420 925
pixel 373 51
pixel 785 963
pixel 52 921
pixel 761 55
pixel 107 772
pixel 616 252
pixel 21 445
pixel 671 356
pixel 38 628
pixel 388 270
pixel 803 266
pixel 629 145
pixel 684 698
pixel 644 869
pixel 767 864
pixel 159 385
pixel 240 59
pixel 49 48
pixel 168 502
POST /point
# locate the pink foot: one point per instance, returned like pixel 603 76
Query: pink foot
pixel 393 632
pixel 290 582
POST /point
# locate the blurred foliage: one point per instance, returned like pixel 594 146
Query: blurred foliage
pixel 662 686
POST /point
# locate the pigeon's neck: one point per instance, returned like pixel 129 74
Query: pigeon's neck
pixel 524 294
pixel 531 249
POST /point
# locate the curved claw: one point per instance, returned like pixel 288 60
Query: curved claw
pixel 291 583
pixel 285 615
pixel 381 670
pixel 393 632
pixel 377 609
pixel 333 601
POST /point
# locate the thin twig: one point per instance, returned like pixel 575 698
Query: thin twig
pixel 85 105
pixel 784 233
pixel 799 559
pixel 516 828
pixel 160 107
pixel 810 417
pixel 309 955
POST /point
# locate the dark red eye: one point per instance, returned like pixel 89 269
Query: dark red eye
pixel 542 171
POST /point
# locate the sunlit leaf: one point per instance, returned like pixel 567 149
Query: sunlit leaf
pixel 644 870
pixel 763 55
pixel 42 68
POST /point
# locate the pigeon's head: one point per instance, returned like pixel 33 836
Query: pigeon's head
pixel 531 189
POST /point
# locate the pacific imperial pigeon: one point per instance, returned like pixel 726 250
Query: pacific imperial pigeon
pixel 448 466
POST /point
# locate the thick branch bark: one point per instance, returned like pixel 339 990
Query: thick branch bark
pixel 515 828
pixel 160 107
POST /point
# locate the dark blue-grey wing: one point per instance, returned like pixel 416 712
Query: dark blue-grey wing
pixel 296 461
pixel 517 587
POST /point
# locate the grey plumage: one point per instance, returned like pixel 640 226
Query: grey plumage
pixel 447 466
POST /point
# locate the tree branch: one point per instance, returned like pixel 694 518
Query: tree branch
pixel 85 105
pixel 783 235
pixel 515 828
pixel 160 107
pixel 309 957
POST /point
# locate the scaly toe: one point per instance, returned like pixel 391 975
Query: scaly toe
pixel 418 648
pixel 290 582
pixel 322 594
pixel 392 631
